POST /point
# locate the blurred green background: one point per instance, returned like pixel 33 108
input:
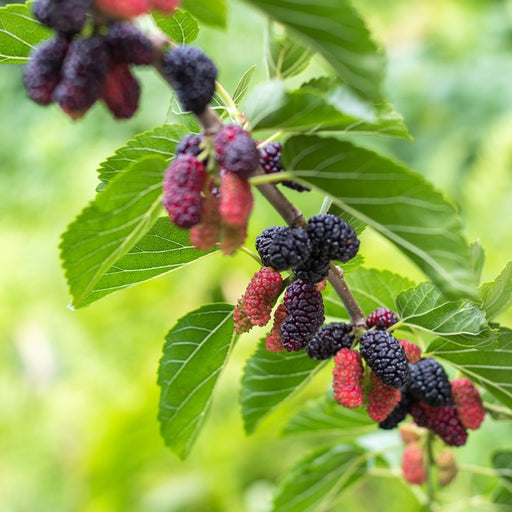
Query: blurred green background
pixel 78 394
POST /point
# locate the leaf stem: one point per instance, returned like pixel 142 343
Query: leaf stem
pixel 250 253
pixel 480 470
pixel 498 412
pixel 232 108
pixel 270 139
pixel 270 178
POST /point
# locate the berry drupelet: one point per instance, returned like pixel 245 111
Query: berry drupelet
pixel 329 340
pixel 381 319
pixel 429 383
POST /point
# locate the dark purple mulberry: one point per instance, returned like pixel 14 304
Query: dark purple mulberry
pixel 381 318
pixel 236 151
pixel 184 180
pixel 192 75
pixel 264 240
pixel 287 248
pixel 66 17
pixel 386 357
pixel 190 144
pixel 305 315
pixel 429 383
pixel 336 238
pixel 42 74
pixel 271 162
pixel 83 75
pixel 315 268
pixel 329 340
pixel 129 45
pixel 398 414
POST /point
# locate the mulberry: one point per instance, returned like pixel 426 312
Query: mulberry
pixel 305 315
pixel 270 161
pixel 192 75
pixel 273 340
pixel 42 74
pixel 409 433
pixel 315 269
pixel 347 374
pixel 83 76
pixel 259 298
pixel 468 403
pixel 441 420
pixel 385 356
pixel 236 200
pixel 429 383
pixel 67 17
pixel 412 351
pixel 236 151
pixel 121 92
pixel 191 144
pixel 264 241
pixel 381 319
pixel 413 464
pixel 287 248
pixel 184 180
pixel 398 414
pixel 447 468
pixel 128 44
pixel 205 234
pixel 329 340
pixel 122 9
pixel 165 6
pixel 382 399
pixel 336 238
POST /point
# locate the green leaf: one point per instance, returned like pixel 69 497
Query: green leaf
pixel 395 201
pixel 502 463
pixel 285 57
pixel 162 249
pixel 159 141
pixel 19 33
pixel 478 258
pixel 269 379
pixel 243 85
pixel 111 225
pixel 181 27
pixel 502 497
pixel 318 480
pixel 208 11
pixel 271 106
pixel 461 321
pixel 327 417
pixel 497 295
pixel 335 30
pixel 372 289
pixel 195 352
pixel 491 369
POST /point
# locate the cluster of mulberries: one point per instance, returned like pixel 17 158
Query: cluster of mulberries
pixel 207 190
pixel 75 71
pixel 308 252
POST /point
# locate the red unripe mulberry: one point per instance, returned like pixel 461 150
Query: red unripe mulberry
pixel 412 351
pixel 258 300
pixel 183 183
pixel 382 398
pixel 121 92
pixel 468 403
pixel 205 234
pixel 273 340
pixel 347 374
pixel 236 200
pixel 165 6
pixel 123 9
pixel 413 464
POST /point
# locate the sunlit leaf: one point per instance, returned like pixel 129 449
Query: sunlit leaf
pixel 181 27
pixel 243 85
pixel 195 352
pixel 208 11
pixel 497 295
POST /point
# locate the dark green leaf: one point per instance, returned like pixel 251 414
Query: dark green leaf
pixel 159 141
pixel 181 27
pixel 372 288
pixel 490 369
pixel 162 249
pixel 271 106
pixel 461 321
pixel 335 30
pixel 318 480
pixel 243 85
pixel 326 417
pixel 19 33
pixel 502 497
pixel 111 225
pixel 395 201
pixel 195 352
pixel 497 295
pixel 208 11
pixel 502 463
pixel 269 379
pixel 285 56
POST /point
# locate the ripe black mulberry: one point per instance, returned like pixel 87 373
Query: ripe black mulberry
pixel 429 383
pixel 329 340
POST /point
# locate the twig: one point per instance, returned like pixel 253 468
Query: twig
pixel 430 463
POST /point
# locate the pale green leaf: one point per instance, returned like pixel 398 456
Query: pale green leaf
pixel 195 352
pixel 164 248
pixel 181 27
pixel 271 106
pixel 158 141
pixel 243 85
pixel 318 480
pixel 335 30
pixel 20 33
pixel 269 379
pixel 497 295
pixel 111 225
pixel 396 202
pixel 491 369
pixel 208 11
